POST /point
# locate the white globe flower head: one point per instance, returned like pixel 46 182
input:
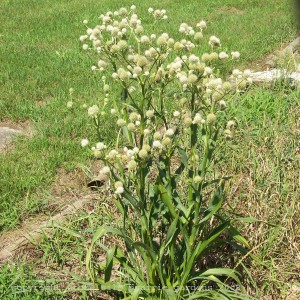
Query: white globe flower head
pixel 85 46
pixel 150 10
pixel 83 38
pixel 247 73
pixel 149 114
pixel 194 59
pixel 208 71
pixel 214 41
pixel 100 146
pixel 121 122
pixel 170 132
pixel 197 119
pixel 132 165
pixel 136 150
pixel 133 7
pixel 119 190
pixel 105 171
pixel 145 39
pixel 236 72
pixel 94 68
pixel 198 179
pixel 70 104
pixel 183 79
pixel 176 114
pixel 202 25
pixel 147 131
pixel 85 22
pixel 230 124
pixel 84 142
pixel 223 55
pixel 113 111
pixel 235 55
pixel 106 88
pixel 112 154
pixel 93 111
pixel 157 144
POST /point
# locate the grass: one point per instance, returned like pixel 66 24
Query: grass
pixel 42 58
pixel 264 157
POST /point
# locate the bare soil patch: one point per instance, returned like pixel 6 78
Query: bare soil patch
pixel 10 130
pixel 68 194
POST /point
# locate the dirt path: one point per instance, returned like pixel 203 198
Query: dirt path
pixel 12 241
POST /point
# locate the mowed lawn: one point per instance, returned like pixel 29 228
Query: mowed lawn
pixel 41 58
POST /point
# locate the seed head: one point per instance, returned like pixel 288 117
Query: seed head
pixel 211 118
pixel 131 126
pixel 132 165
pixel 156 144
pixel 176 114
pixel 84 142
pixel 143 154
pixel 119 190
pixel 157 136
pixel 198 36
pixel 121 122
pixel 192 78
pixel 149 114
pixel 230 124
pixel 226 86
pixel 93 111
pixel 222 104
pixel 235 55
pixel 166 141
pixel 198 179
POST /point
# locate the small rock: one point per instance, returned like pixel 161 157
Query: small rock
pixel 6 136
pixel 275 74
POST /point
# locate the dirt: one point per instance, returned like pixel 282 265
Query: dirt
pixel 25 126
pixel 10 130
pixel 288 55
pixel 68 194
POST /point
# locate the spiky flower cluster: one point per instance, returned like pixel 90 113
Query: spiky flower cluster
pixel 141 65
pixel 171 122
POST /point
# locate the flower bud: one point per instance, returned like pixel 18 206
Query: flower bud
pixel 157 136
pixel 132 165
pixel 227 86
pixel 192 79
pixel 131 127
pixel 143 154
pixel 198 179
pixel 149 114
pixel 121 122
pixel 166 141
pixel 187 121
pixel 230 124
pixel 211 118
pixel 222 104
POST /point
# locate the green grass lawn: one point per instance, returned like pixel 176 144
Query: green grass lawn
pixel 41 58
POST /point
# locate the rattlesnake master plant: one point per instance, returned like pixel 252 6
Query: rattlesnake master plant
pixel 164 168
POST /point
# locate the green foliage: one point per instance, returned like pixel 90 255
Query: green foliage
pixel 167 185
